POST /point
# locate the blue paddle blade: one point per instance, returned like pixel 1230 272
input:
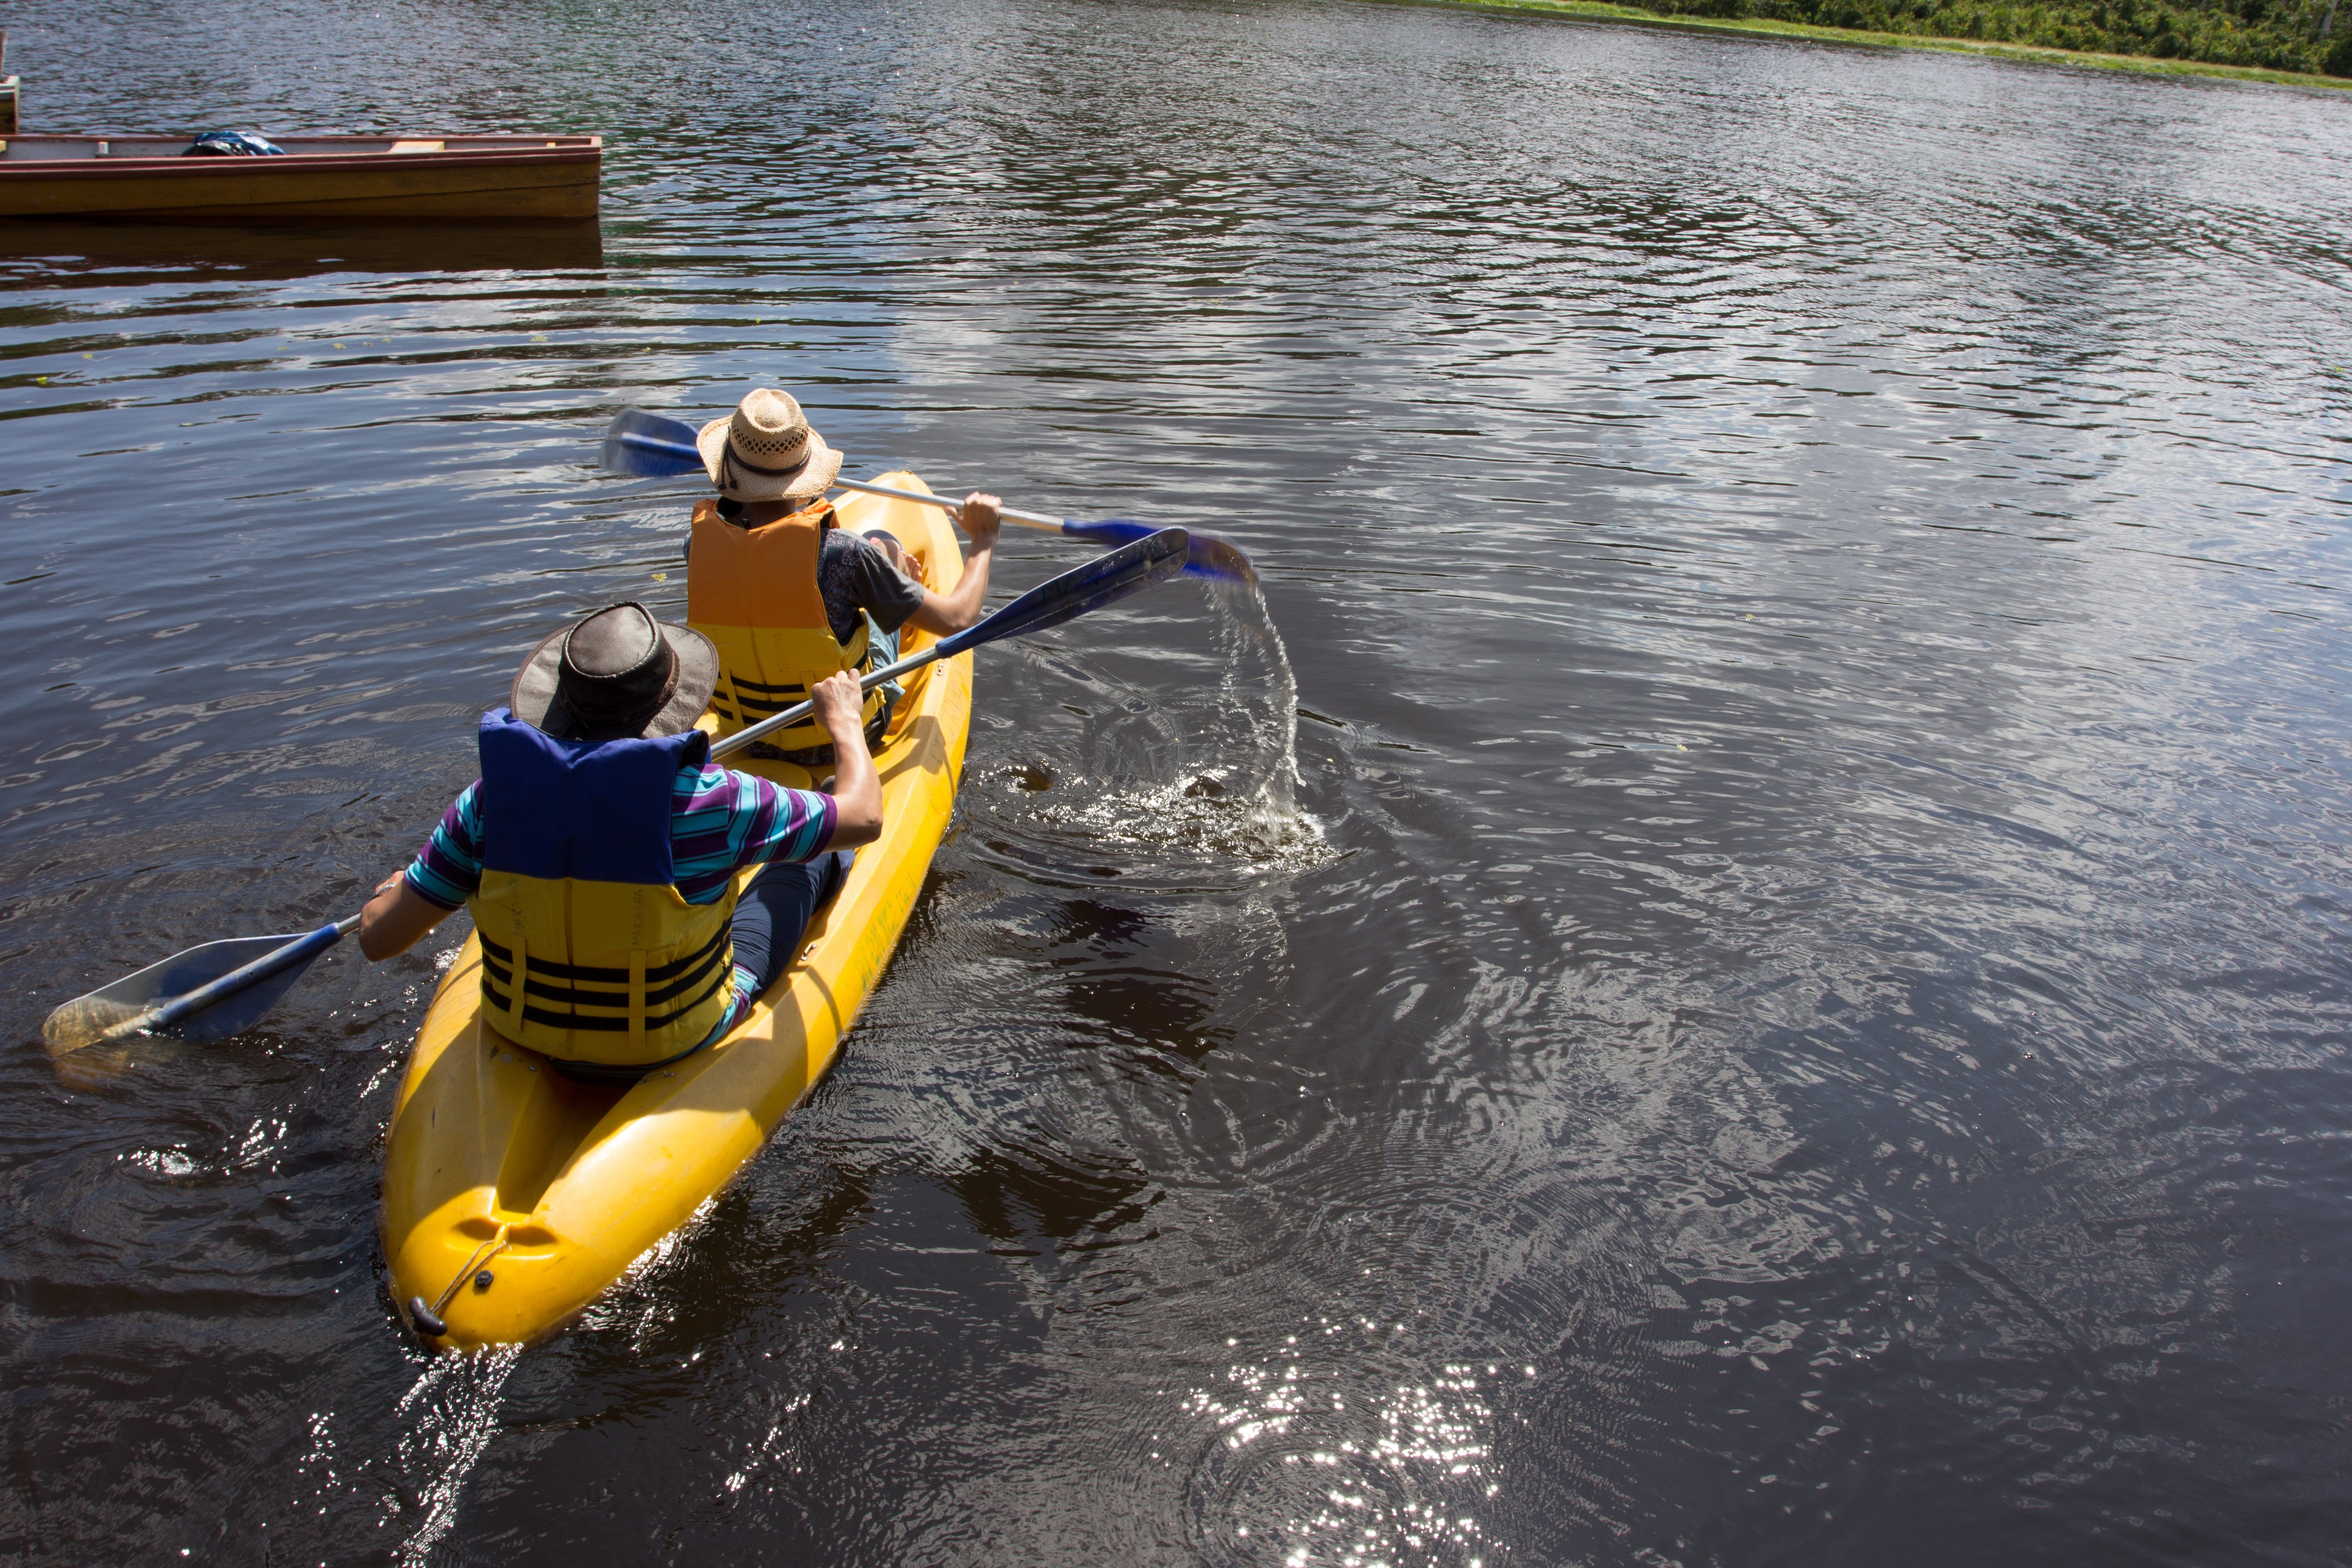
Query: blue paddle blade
pixel 648 446
pixel 82 1020
pixel 1209 555
pixel 1129 568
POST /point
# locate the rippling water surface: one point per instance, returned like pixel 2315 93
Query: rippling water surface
pixel 1788 1004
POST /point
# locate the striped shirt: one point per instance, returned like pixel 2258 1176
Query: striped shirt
pixel 720 822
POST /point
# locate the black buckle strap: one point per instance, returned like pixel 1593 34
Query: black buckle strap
pixel 504 1007
pixel 502 1002
pixel 742 684
pixel 569 997
pixel 600 975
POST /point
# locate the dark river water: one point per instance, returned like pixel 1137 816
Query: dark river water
pixel 1793 1008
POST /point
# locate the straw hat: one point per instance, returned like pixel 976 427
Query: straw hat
pixel 617 674
pixel 766 451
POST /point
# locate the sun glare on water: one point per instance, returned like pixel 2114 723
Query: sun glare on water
pixel 1306 1461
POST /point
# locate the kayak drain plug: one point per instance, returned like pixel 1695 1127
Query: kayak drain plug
pixel 428 1321
pixel 482 1280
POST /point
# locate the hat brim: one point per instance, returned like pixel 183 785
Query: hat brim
pixel 812 478
pixel 532 696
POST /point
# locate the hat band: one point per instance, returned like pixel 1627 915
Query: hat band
pixel 735 456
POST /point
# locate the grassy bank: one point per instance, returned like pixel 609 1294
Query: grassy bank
pixel 2252 40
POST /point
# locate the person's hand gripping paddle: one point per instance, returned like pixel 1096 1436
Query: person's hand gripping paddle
pixel 223 988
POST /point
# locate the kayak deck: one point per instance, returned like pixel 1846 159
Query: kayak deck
pixel 496 1164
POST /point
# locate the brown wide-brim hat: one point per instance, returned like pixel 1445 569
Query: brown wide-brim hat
pixel 614 674
pixel 766 451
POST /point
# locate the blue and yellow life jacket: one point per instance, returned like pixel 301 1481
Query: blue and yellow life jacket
pixel 589 953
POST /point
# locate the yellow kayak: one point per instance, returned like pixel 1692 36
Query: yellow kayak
pixel 512 1197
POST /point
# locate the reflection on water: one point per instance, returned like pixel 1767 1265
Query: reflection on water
pixel 449 1418
pixel 286 251
pixel 1299 1475
pixel 1757 969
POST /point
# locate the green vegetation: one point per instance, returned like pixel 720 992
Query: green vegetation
pixel 2271 40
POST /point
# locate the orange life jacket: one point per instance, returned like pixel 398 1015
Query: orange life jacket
pixel 753 592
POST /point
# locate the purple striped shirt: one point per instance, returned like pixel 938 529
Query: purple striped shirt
pixel 720 822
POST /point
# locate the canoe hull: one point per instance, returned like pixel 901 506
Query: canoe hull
pixel 495 1163
pixel 329 178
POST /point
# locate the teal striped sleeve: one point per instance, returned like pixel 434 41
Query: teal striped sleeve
pixel 722 821
pixel 448 869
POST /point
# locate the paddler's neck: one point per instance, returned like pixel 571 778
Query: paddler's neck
pixel 760 513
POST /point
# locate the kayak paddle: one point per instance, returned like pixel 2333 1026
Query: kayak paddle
pixel 223 988
pixel 206 992
pixel 1105 580
pixel 650 446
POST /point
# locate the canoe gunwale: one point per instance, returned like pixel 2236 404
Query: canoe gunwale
pixel 291 165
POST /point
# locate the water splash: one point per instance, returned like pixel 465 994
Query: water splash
pixel 1246 634
pixel 1175 781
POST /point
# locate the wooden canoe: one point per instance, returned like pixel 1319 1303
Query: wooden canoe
pixel 332 178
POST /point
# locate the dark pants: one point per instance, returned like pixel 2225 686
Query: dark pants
pixel 775 909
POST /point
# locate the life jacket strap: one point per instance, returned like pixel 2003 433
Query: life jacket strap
pixel 637 1000
pixel 519 982
pixel 599 976
pixel 512 987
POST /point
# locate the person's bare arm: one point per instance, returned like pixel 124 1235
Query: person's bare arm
pixel 396 919
pixel 856 788
pixel 952 611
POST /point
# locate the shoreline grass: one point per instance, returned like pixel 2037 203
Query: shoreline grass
pixel 2148 65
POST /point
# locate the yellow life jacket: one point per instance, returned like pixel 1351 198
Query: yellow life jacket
pixel 753 592
pixel 589 953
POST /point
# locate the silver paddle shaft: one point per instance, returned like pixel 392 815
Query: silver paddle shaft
pixel 798 712
pixel 1050 524
pixel 171 1009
